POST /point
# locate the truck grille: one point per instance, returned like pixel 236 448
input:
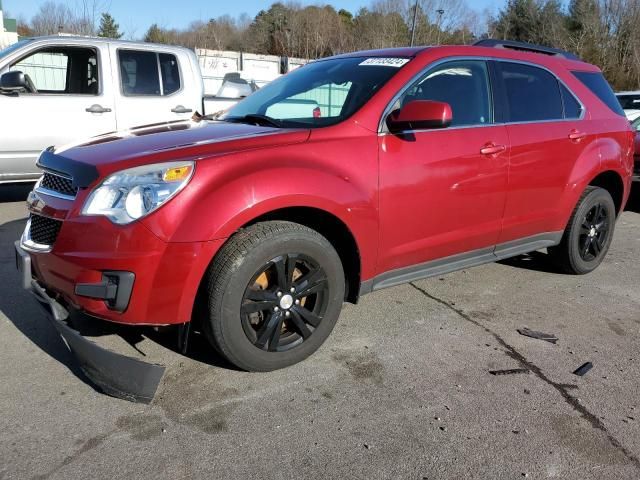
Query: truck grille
pixel 56 183
pixel 44 230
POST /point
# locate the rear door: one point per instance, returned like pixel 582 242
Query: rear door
pixel 547 134
pixel 153 85
pixel 442 192
pixel 72 102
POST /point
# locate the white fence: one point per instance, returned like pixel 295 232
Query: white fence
pixel 261 69
pixel 47 70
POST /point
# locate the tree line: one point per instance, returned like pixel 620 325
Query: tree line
pixel 603 32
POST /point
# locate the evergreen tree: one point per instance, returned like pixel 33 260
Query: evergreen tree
pixel 108 27
pixel 156 35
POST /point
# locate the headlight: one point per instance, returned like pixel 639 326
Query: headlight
pixel 131 194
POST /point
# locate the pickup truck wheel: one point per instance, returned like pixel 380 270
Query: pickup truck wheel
pixel 275 292
pixel 588 235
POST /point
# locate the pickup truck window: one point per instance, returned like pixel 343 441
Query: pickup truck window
pixel 318 94
pixel 148 73
pixel 170 73
pixel 65 70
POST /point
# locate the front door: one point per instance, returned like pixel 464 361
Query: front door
pixel 442 192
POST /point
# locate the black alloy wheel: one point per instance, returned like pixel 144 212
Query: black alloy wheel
pixel 594 232
pixel 275 292
pixel 285 302
pixel 588 234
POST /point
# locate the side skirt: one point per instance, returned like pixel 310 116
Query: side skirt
pixel 460 261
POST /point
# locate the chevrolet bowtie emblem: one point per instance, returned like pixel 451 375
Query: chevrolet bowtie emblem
pixel 34 202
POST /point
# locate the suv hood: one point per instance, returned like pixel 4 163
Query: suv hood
pixel 183 140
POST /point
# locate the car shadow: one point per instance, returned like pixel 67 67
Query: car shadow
pixel 536 261
pixel 633 205
pixel 19 306
pixel 15 192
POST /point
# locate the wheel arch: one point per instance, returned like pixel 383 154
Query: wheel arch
pixel 334 230
pixel 612 182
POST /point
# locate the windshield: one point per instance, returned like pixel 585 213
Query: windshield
pixel 630 102
pixel 318 94
pixel 636 124
pixel 13 48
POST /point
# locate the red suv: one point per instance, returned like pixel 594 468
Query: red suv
pixel 351 174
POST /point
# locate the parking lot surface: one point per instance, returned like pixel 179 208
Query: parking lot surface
pixel 401 389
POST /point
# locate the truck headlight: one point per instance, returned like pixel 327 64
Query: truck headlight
pixel 131 194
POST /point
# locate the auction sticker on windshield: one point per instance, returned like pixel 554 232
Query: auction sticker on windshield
pixel 386 62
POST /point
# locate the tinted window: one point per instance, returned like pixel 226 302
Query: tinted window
pixel 598 85
pixel 170 73
pixel 139 72
pixel 464 85
pixel 572 108
pixel 629 102
pixel 533 94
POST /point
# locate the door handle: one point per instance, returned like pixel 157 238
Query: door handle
pixel 492 149
pixel 181 109
pixel 576 135
pixel 95 108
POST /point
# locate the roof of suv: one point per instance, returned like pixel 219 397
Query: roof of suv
pixel 490 48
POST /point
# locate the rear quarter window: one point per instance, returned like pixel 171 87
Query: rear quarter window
pixel 595 82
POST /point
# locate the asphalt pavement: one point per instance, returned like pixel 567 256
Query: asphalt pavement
pixel 401 390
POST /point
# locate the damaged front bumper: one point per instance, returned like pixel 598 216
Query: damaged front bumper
pixel 115 374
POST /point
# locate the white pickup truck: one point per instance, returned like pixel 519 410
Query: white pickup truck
pixel 59 89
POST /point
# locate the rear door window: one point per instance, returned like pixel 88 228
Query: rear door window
pixel 148 73
pixel 170 73
pixel 595 82
pixel 532 93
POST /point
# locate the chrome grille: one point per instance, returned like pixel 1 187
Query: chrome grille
pixel 44 230
pixel 56 183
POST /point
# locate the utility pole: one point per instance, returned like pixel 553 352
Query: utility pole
pixel 413 26
pixel 440 12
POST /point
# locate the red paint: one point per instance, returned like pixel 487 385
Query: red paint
pixel 421 114
pixel 405 199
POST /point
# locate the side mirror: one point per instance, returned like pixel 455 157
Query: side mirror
pixel 420 114
pixel 14 80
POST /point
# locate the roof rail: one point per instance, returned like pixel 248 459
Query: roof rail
pixel 525 47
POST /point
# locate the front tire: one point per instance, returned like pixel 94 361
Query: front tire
pixel 275 291
pixel 588 234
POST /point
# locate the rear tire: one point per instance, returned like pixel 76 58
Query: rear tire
pixel 588 234
pixel 275 291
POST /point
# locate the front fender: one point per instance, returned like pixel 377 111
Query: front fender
pixel 231 191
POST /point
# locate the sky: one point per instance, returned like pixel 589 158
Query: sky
pixel 135 16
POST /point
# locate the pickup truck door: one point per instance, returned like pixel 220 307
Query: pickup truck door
pixel 72 102
pixel 443 191
pixel 154 85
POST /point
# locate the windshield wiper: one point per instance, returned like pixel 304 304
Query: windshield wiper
pixel 255 118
